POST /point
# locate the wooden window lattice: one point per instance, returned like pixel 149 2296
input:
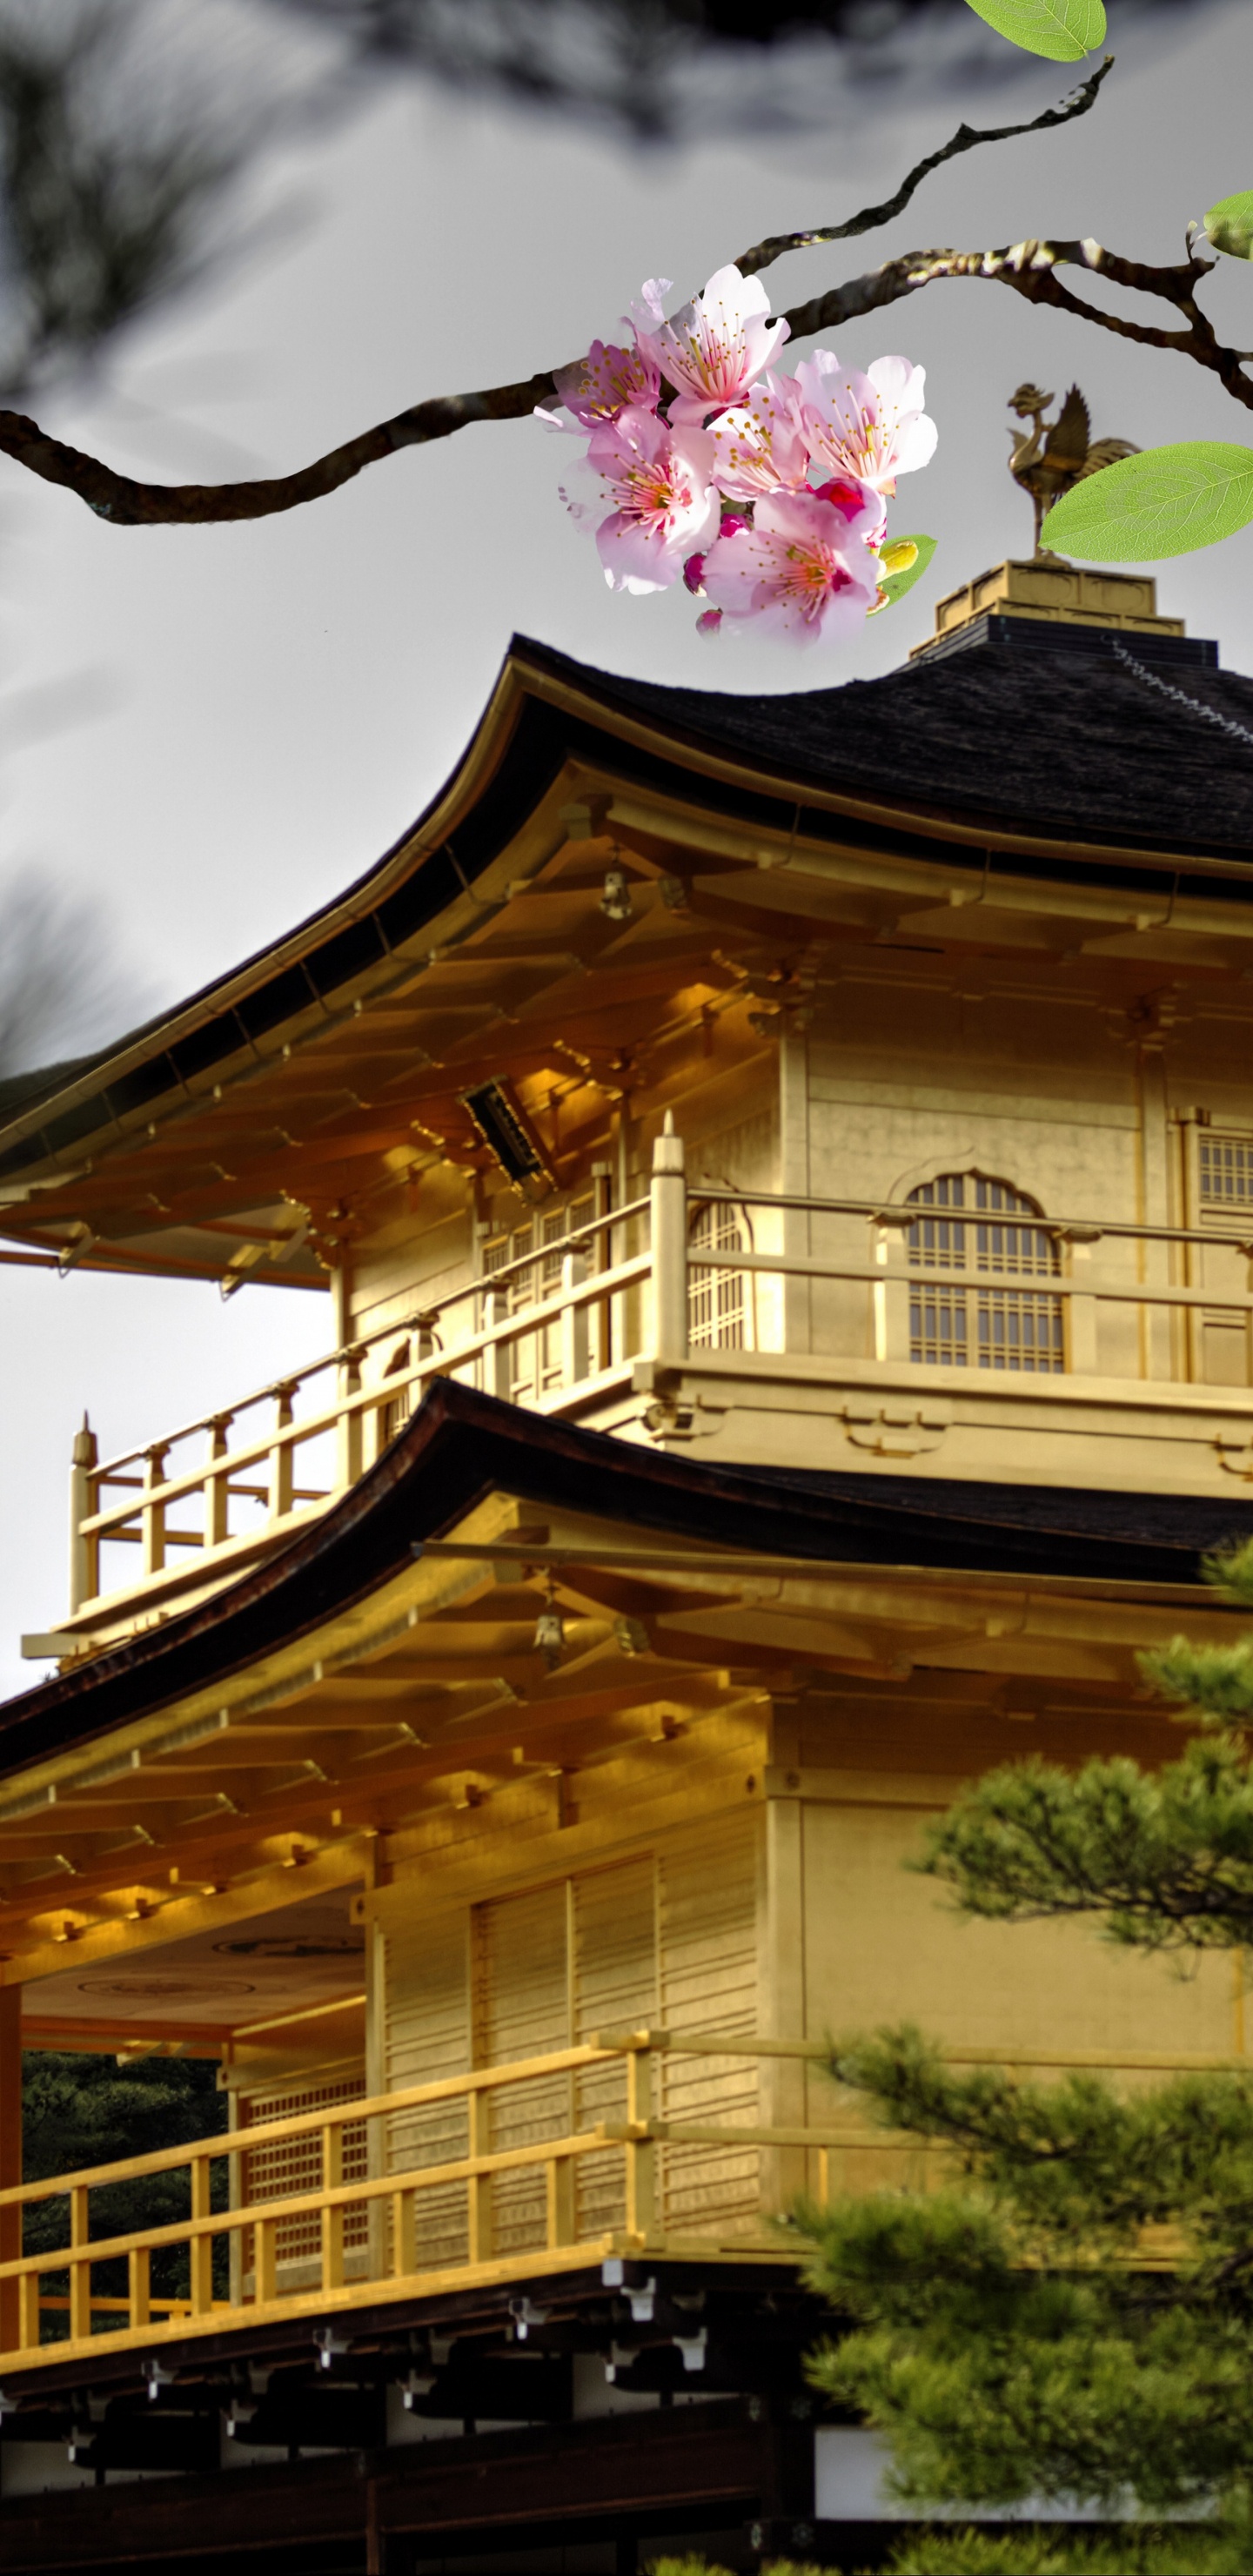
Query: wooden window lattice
pixel 966 1223
pixel 1225 1169
pixel 715 1296
pixel 536 1360
pixel 271 2172
pixel 610 1949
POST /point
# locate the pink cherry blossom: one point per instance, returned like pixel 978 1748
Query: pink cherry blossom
pixel 609 380
pixel 651 497
pixel 760 444
pixel 859 504
pixel 873 426
pixel 694 568
pixel 716 346
pixel 648 313
pixel 803 569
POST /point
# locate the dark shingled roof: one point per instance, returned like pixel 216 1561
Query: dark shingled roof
pixel 1047 740
pixel 1014 727
pixel 461 1446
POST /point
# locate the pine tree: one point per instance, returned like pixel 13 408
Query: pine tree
pixel 1071 2315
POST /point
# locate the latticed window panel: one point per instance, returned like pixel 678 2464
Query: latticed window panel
pixel 937 1325
pixel 610 1949
pixel 708 1974
pixel 541 1244
pixel 427 2042
pixel 1225 1170
pixel 715 1296
pixel 967 1223
pixel 275 2170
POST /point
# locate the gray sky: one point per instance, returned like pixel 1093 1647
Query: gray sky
pixel 275 702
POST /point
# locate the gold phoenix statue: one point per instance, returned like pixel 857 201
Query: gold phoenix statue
pixel 1052 456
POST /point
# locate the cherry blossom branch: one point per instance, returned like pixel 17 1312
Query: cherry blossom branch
pixel 1029 268
pixel 872 218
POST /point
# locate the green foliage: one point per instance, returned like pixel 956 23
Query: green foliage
pixel 897 583
pixel 81 2111
pixel 1232 1572
pixel 1221 2551
pixel 703 2567
pixel 1218 2549
pixel 1215 1681
pixel 1000 2338
pixel 1164 1861
pixel 1229 225
pixel 1166 501
pixel 1064 30
pixel 1003 2330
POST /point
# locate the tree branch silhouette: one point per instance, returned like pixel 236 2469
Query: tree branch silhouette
pixel 1027 268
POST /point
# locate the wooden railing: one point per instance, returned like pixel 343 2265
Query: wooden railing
pixel 355 2264
pixel 687 1292
pixel 353 1401
pixel 368 2264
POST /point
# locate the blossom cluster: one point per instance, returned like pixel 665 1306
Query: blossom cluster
pixel 767 494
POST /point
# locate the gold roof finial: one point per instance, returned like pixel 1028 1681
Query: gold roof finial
pixel 1052 456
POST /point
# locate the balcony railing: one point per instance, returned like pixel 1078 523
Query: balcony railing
pixel 700 1285
pixel 434 2204
pixel 336 1415
pixel 441 2203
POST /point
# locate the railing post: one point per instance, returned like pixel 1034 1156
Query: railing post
pixel 498 1356
pixel 641 2152
pixel 332 2219
pixel 80 2271
pixel 11 2161
pixel 479 2187
pixel 153 1514
pixel 602 1259
pixel 892 1336
pixel 349 1440
pixel 217 1500
pixel 1081 1306
pixel 265 2261
pixel 84 1550
pixel 574 1320
pixel 283 1455
pixel 200 2250
pixel 668 1195
pixel 139 2287
pixel 29 2329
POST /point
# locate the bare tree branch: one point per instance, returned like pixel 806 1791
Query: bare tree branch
pixel 107 180
pixel 967 136
pixel 1028 268
pixel 63 987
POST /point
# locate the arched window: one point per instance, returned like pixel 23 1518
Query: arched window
pixel 715 1295
pixel 968 1224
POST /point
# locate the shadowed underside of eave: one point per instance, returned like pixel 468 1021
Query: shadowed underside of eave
pixel 240 1125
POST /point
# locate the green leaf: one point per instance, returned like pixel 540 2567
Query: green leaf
pixel 1229 225
pixel 1065 30
pixel 1167 501
pixel 897 583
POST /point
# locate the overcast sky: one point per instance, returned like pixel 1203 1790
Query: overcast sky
pixel 266 707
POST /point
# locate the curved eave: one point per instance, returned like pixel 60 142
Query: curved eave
pixel 546 715
pixel 461 1448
